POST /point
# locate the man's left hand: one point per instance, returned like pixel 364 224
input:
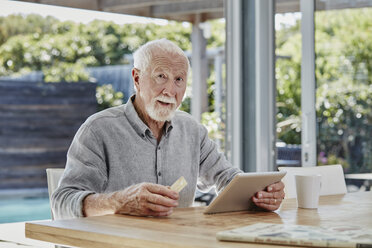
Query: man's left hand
pixel 271 198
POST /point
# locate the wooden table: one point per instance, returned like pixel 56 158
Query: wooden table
pixel 189 227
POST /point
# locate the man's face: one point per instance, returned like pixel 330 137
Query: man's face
pixel 162 86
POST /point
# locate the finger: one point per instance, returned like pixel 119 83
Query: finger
pixel 276 194
pixel 161 200
pixel 267 206
pixel 269 201
pixel 159 214
pixel 162 190
pixel 264 194
pixel 158 208
pixel 275 187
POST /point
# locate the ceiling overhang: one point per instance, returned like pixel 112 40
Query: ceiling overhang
pixel 188 10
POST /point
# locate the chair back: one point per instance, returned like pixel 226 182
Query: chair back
pixel 333 180
pixel 53 177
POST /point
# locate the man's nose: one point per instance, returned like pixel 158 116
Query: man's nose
pixel 170 88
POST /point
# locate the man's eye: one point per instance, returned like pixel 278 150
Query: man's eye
pixel 179 79
pixel 161 76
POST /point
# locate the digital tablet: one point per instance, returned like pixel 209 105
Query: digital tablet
pixel 238 193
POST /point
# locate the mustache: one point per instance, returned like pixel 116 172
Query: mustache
pixel 166 99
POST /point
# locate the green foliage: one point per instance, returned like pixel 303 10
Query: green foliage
pixel 95 44
pixel 215 127
pixel 66 72
pixel 218 36
pixel 135 35
pixel 332 159
pixel 13 25
pixel 288 74
pixel 343 72
pixel 345 122
pixel 107 97
pixel 35 42
pixel 186 105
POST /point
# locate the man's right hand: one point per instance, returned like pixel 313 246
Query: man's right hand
pixel 144 199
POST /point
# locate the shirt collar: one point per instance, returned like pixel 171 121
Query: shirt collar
pixel 136 121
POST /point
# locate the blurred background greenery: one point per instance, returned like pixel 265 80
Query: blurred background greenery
pixel 343 70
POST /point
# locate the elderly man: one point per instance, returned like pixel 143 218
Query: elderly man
pixel 123 159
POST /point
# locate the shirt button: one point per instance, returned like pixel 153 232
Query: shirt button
pixel 158 147
pixel 159 174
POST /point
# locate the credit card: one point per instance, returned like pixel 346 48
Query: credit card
pixel 179 184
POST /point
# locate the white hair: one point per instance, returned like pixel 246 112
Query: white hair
pixel 143 55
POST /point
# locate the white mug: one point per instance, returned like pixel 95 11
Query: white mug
pixel 308 190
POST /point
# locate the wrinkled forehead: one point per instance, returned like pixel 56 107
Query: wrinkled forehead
pixel 169 62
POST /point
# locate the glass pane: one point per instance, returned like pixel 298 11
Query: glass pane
pixel 343 46
pixel 288 79
pixel 214 118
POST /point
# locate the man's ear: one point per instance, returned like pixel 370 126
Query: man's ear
pixel 136 77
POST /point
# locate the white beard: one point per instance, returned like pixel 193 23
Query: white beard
pixel 161 113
